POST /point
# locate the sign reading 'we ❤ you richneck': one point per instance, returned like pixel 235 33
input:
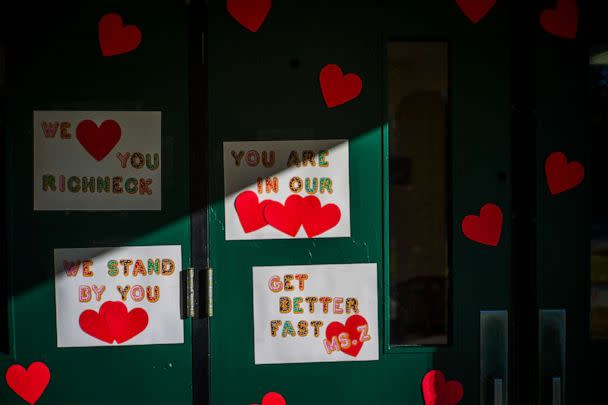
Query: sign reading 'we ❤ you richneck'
pixel 97 160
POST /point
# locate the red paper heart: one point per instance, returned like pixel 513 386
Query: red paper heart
pixel 250 211
pixel 286 218
pixel 299 211
pixel 561 175
pixel 561 21
pixel 437 391
pixel 334 329
pixel 249 13
pixel 94 324
pixel 116 39
pixel 273 398
pixel 98 141
pixel 114 322
pixel 476 10
pixel 337 88
pixel 316 219
pixel 29 384
pixel 485 228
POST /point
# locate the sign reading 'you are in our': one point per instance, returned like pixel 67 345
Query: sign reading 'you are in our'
pixel 97 160
pixel 286 189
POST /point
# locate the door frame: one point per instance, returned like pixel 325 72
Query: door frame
pixel 523 316
pixel 199 174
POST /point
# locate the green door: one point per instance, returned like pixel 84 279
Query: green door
pixel 570 102
pixel 428 145
pixel 53 62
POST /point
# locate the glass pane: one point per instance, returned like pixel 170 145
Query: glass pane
pixel 3 226
pixel 417 91
pixel 599 193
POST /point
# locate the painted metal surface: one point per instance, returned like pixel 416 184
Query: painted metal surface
pixel 55 63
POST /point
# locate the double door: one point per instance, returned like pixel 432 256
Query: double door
pixel 479 269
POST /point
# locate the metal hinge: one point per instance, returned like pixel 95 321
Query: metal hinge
pixel 197 293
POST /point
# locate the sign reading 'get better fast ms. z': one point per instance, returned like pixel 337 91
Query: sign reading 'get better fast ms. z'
pixel 97 160
pixel 315 313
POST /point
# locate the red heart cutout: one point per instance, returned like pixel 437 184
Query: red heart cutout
pixel 485 228
pixel 316 219
pixel 98 141
pixel 95 325
pixel 114 322
pixel 286 218
pixel 337 88
pixel 116 39
pixel 437 391
pixel 476 10
pixel 562 21
pixel 249 13
pixel 29 384
pixel 273 398
pixel 561 175
pixel 334 329
pixel 123 324
pixel 250 211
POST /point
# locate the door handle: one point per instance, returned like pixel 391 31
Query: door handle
pixel 498 391
pixel 493 358
pixel 552 355
pixel 557 391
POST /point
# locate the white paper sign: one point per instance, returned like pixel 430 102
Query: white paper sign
pixel 317 313
pixel 97 160
pixel 286 189
pixel 118 296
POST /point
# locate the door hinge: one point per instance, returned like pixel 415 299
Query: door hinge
pixel 197 293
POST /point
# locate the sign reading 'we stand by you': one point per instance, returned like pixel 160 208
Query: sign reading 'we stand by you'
pixel 118 296
pixel 97 160
pixel 286 189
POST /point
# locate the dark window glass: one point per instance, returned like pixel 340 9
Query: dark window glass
pixel 3 235
pixel 599 193
pixel 417 92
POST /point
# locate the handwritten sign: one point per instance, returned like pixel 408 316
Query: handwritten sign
pixel 118 296
pixel 97 160
pixel 316 313
pixel 286 189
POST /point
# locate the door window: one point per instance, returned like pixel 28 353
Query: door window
pixel 599 230
pixel 418 192
pixel 3 224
